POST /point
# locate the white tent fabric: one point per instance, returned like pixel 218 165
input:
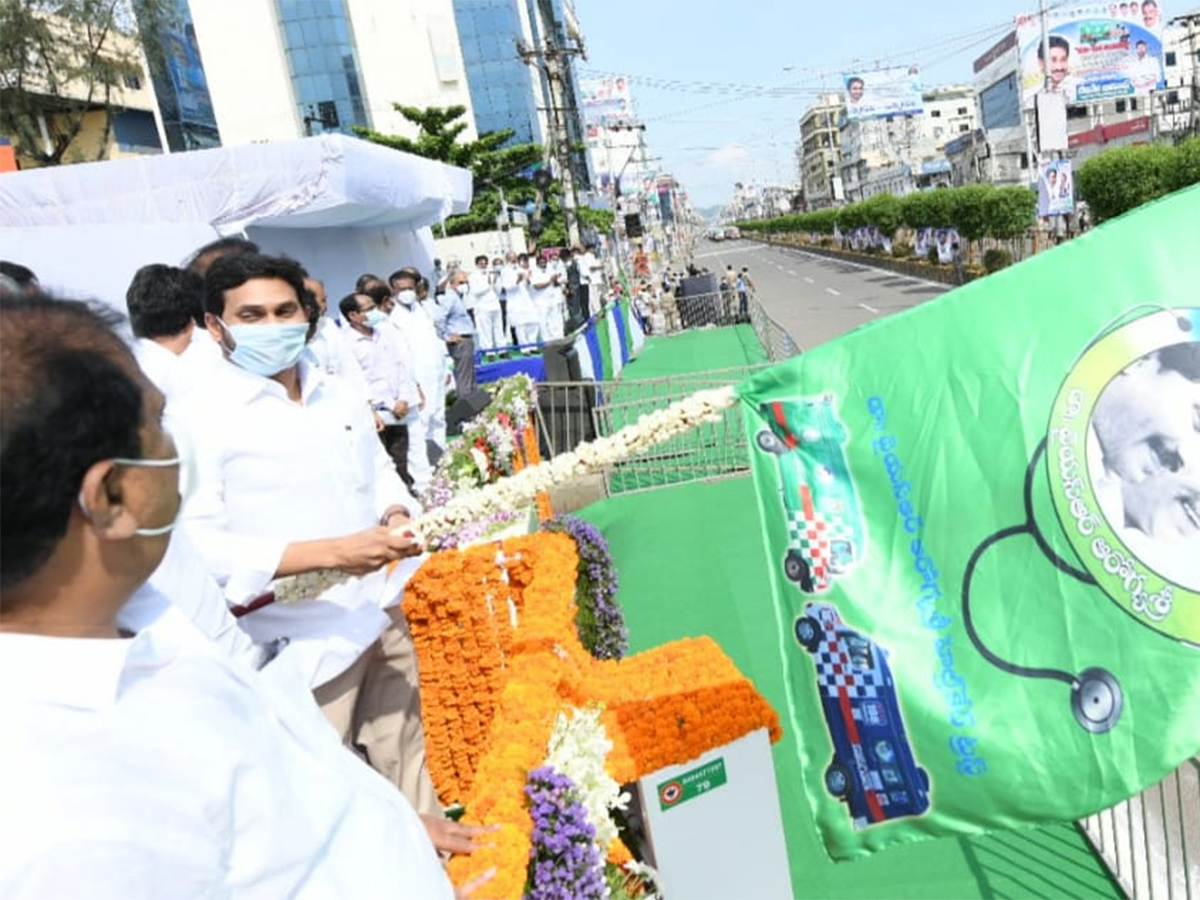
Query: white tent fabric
pixel 338 204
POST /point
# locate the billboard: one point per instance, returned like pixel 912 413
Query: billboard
pixel 882 92
pixel 1097 51
pixel 1055 188
pixel 605 100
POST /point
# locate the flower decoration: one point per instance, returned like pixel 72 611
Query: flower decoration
pixel 438 526
pixel 600 621
pixel 502 666
pixel 564 862
pixel 578 748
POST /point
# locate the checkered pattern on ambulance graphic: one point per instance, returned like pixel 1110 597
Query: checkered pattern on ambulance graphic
pixel 812 536
pixel 835 672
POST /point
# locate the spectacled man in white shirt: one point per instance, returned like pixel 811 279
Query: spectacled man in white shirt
pixel 148 765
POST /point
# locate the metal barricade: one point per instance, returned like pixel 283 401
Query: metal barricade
pixel 569 413
pixel 1151 842
pixel 773 336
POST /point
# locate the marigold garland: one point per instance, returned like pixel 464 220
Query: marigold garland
pixel 491 690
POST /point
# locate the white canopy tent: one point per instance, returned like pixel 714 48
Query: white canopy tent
pixel 340 205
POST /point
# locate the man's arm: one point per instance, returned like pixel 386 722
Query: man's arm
pixel 246 564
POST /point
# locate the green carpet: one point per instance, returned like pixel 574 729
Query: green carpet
pixel 697 350
pixel 690 562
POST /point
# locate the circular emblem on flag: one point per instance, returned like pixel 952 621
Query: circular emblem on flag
pixel 670 793
pixel 1123 458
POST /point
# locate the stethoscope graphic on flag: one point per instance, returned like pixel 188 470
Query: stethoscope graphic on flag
pixel 1096 696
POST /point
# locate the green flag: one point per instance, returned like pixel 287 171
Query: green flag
pixel 982 525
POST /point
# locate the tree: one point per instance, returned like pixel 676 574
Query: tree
pixel 61 60
pixel 927 209
pixel 1117 180
pixel 1010 213
pixel 1184 166
pixel 969 210
pixel 495 167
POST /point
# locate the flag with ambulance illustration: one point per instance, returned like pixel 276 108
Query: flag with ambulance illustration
pixel 981 520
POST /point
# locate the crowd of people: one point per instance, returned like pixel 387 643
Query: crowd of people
pixel 175 731
pixel 522 300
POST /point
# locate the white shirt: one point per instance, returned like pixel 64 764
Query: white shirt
pixel 426 352
pixel 270 472
pixel 381 356
pixel 1145 73
pixel 151 767
pixel 589 268
pixel 330 350
pixel 539 286
pixel 182 579
pixel 521 310
pixel 481 293
pixel 175 374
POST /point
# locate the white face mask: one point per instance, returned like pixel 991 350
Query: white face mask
pixel 182 460
pixel 407 297
pixel 461 290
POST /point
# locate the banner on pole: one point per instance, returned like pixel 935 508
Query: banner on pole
pixel 982 525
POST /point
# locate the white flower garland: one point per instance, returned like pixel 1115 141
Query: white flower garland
pixel 578 748
pixel 522 488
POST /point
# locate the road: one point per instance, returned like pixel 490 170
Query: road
pixel 813 297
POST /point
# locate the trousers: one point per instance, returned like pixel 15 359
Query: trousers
pixel 375 706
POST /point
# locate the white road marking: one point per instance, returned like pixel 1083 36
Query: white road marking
pixel 869 309
pixel 832 291
pixel 791 272
pixel 809 280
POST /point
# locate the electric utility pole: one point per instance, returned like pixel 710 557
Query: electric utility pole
pixel 552 59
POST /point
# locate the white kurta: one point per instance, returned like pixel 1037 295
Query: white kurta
pixel 270 472
pixel 152 767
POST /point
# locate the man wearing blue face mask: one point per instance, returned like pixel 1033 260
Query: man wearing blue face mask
pixel 152 765
pixel 291 478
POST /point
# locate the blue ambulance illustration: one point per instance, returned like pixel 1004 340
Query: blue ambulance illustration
pixel 825 530
pixel 873 770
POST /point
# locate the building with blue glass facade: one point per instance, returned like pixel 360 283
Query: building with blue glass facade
pixel 504 90
pixel 321 59
pixel 180 87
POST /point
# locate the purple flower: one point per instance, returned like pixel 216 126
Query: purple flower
pixel 600 621
pixel 564 861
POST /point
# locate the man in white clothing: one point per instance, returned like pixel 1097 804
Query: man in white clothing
pixel 426 355
pixel 382 356
pixel 522 312
pixel 544 285
pixel 291 478
pixel 164 304
pixel 151 765
pixel 591 277
pixel 489 316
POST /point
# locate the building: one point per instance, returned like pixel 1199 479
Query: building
pixel 278 69
pixel 83 119
pixel 1001 150
pixel 819 150
pixel 505 92
pixel 180 86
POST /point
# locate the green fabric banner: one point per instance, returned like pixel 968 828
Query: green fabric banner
pixel 602 335
pixel 982 524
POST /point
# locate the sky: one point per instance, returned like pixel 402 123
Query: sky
pixel 698 69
